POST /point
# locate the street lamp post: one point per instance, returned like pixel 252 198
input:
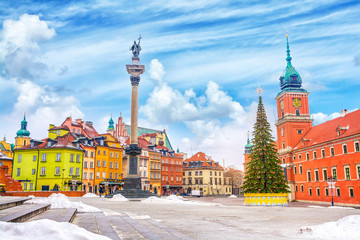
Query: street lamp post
pixel 331 182
pixel 63 179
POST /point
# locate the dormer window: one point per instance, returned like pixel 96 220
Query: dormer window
pixel 49 144
pixel 102 142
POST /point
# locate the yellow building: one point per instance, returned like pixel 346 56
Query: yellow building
pixel 108 163
pixel 55 132
pixel 154 171
pixel 205 177
pixel 50 164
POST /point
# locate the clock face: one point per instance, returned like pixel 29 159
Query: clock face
pixel 282 104
pixel 296 102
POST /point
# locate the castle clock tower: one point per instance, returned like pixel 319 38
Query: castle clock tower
pixel 292 110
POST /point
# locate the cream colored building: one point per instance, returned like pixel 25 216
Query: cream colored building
pixel 204 176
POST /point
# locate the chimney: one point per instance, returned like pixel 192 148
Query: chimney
pixel 343 112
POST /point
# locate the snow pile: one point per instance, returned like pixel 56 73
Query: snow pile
pixel 119 198
pixel 177 200
pixel 45 229
pixel 232 196
pixel 314 206
pixel 338 207
pixel 58 200
pixel 346 228
pixel 90 195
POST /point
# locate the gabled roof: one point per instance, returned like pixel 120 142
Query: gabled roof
pixel 64 141
pixel 3 156
pixel 200 160
pixel 328 131
pixel 60 128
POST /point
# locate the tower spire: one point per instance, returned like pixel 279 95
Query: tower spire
pixel 288 58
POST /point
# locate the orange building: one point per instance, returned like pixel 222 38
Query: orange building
pixel 171 171
pixel 314 154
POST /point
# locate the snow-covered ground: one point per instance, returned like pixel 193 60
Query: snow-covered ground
pixel 58 200
pixel 347 228
pixel 90 195
pixel 331 207
pixel 177 200
pixel 118 198
pixel 45 229
pixel 232 196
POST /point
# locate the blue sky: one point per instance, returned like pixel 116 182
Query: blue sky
pixel 203 60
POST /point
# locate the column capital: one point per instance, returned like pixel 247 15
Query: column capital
pixel 134 80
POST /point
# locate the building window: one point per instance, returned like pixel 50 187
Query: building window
pixel 98 175
pixel 98 163
pixel 19 158
pixel 317 175
pixel 111 154
pixel 315 155
pixel 302 188
pixel 110 176
pixel 294 158
pixel 85 175
pixel 334 173
pixel 71 171
pixel 310 192
pixel 86 153
pixel 297 112
pixel 216 181
pixel 117 155
pixel 200 173
pixel 325 174
pixel 43 158
pixel 211 181
pixel 91 165
pixel 296 188
pixel 294 169
pixel 78 158
pixel 283 160
pixel 323 153
pixel 57 171
pixel 357 147
pixel 71 157
pixel 347 173
pixel 326 191
pixel 196 173
pixel 345 149
pixel 104 153
pixel 31 186
pixel 43 171
pixel 99 152
pixel 318 191
pixel 358 171
pixel 33 171
pixel 190 174
pixel 338 193
pixel 103 175
pixel 332 151
pixel 85 164
pixel 117 165
pixel 309 176
pixel 219 181
pixel 300 169
pixel 299 156
pixel 25 186
pixel 111 164
pixel 18 172
pixel 77 171
pixel 283 145
pixel 34 158
pixel 307 156
pixel 351 192
pixel 58 157
pixel 104 163
pixel 116 175
pixel 299 131
pixel 91 154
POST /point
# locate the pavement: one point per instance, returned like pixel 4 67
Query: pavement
pixel 221 218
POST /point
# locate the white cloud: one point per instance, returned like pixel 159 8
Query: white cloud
pixel 156 70
pixel 20 55
pixel 217 122
pixel 323 117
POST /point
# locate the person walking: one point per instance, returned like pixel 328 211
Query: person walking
pixel 100 191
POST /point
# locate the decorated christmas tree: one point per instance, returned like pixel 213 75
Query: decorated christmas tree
pixel 264 174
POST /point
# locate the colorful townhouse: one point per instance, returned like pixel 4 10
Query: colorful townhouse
pixel 49 164
pixel 7 148
pixel 205 176
pixel 171 171
pixel 314 156
pixel 108 163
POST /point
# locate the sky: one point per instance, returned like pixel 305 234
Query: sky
pixel 203 62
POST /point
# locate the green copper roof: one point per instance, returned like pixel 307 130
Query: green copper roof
pixel 248 145
pixel 111 125
pixel 23 132
pixel 291 79
pixel 142 131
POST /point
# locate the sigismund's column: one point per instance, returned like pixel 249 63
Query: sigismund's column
pixel 133 151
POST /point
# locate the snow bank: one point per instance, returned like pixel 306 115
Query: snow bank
pixel 346 228
pixel 331 207
pixel 118 198
pixel 58 200
pixel 232 196
pixel 90 195
pixel 177 200
pixel 45 229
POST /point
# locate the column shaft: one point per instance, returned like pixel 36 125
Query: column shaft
pixel 134 115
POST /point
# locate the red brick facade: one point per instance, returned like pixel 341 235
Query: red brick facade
pixel 9 182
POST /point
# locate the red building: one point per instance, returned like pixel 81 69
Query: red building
pixel 171 171
pixel 313 154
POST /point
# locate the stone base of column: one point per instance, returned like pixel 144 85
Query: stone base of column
pixel 132 189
